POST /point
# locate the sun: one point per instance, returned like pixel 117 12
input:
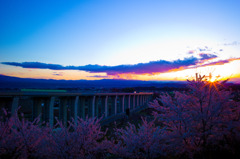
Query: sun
pixel 212 80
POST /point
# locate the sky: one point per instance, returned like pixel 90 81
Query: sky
pixel 153 40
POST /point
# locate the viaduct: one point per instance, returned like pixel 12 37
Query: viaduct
pixel 66 105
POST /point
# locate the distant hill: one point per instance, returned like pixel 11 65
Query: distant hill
pixel 15 82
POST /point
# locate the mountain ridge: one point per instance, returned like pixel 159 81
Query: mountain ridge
pixel 16 82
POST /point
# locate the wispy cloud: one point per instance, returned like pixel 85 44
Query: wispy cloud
pixel 220 62
pixel 57 73
pixel 151 67
pixel 234 43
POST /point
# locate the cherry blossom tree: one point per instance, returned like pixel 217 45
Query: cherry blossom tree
pixel 21 138
pixel 81 139
pixel 7 139
pixel 146 141
pixel 203 116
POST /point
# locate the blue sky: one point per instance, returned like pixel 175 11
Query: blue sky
pixel 114 32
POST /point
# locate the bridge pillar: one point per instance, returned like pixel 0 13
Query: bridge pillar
pixel 51 115
pixel 63 111
pixel 133 101
pixel 37 108
pixel 100 107
pixel 129 102
pixel 137 100
pixel 106 106
pixel 143 99
pixel 93 106
pixel 76 107
pixel 14 107
pixel 115 105
pixel 111 105
pixel 123 103
pixel 83 101
pixel 97 102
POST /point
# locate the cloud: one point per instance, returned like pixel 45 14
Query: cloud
pixel 234 43
pixel 191 51
pixel 57 74
pixel 207 56
pixel 151 67
pixel 204 49
pixel 220 62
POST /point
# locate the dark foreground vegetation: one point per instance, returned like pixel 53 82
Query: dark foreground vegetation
pixel 201 122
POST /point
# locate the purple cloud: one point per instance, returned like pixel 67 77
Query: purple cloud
pixel 220 62
pixel 207 56
pixel 151 67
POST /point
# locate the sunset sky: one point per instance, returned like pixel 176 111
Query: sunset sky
pixel 120 39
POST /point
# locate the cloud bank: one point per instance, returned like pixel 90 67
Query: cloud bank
pixel 151 67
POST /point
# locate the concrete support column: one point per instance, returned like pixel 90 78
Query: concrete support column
pixel 134 102
pixel 93 106
pixel 101 106
pixel 83 107
pixel 129 101
pixel 115 105
pixel 106 106
pixel 141 100
pixel 36 108
pixel 14 106
pixel 51 115
pixel 123 102
pixel 137 100
pixel 63 111
pixel 97 106
pixel 76 103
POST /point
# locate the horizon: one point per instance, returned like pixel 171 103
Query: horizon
pixel 127 40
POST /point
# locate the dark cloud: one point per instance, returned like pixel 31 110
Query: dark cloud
pixel 151 67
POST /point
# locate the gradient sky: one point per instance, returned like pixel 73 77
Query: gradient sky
pixel 119 39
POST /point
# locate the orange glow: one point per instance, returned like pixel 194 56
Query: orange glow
pixel 177 69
